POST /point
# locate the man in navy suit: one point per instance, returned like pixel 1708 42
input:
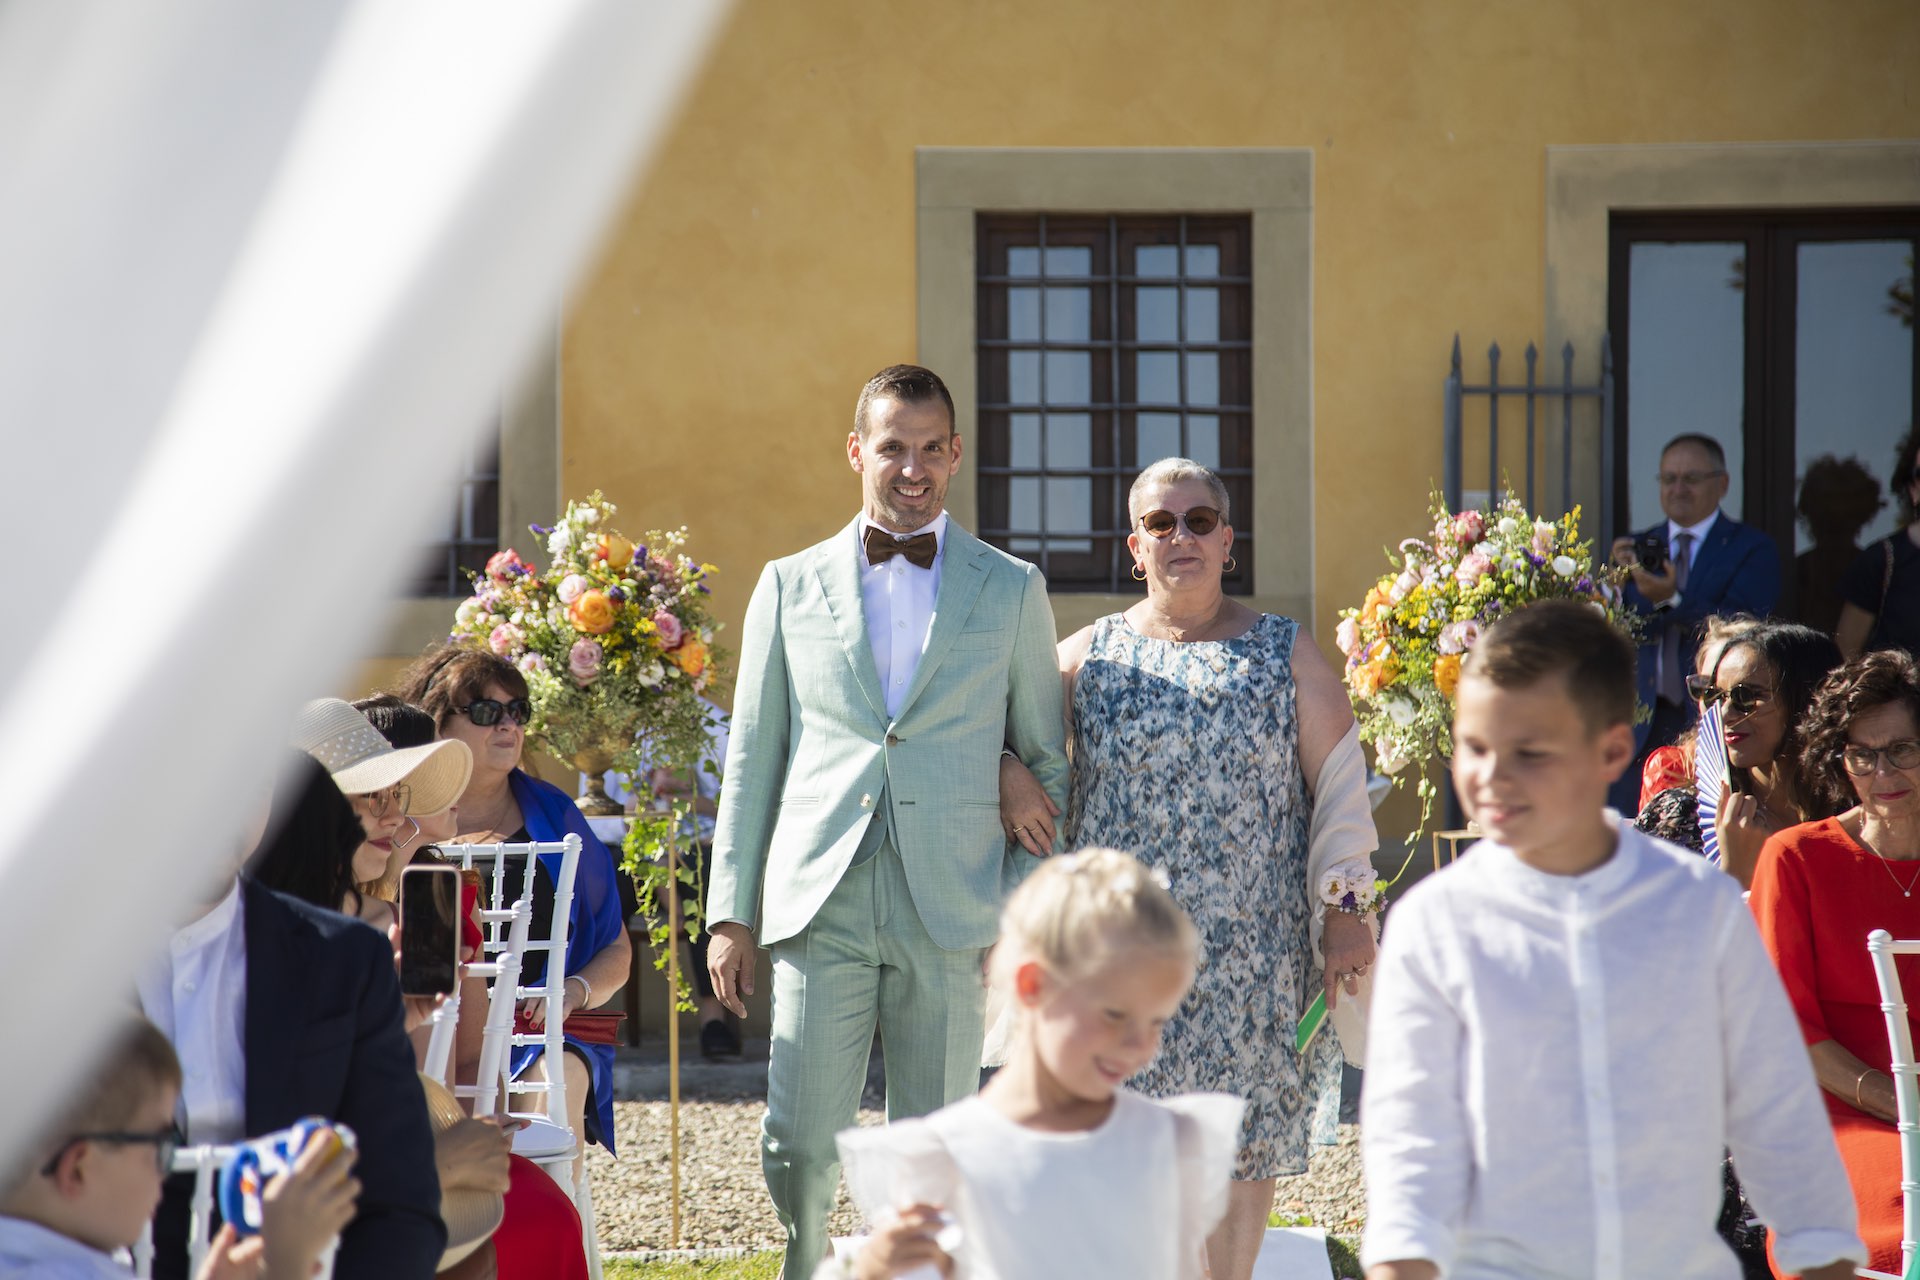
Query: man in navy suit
pixel 280 1010
pixel 1713 565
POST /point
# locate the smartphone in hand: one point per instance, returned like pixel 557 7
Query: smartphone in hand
pixel 429 930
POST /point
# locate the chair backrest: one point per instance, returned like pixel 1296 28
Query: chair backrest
pixel 1882 947
pixel 491 860
pixel 204 1163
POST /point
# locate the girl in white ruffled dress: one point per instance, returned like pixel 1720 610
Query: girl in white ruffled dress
pixel 1055 1171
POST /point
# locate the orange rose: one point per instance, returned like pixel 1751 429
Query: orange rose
pixel 592 612
pixel 615 550
pixel 1378 598
pixel 690 657
pixel 1446 673
pixel 1370 677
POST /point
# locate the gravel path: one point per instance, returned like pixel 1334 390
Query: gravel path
pixel 724 1202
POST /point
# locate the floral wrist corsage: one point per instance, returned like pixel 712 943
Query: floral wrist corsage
pixel 1352 887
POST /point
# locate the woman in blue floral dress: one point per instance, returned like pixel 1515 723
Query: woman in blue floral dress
pixel 1197 729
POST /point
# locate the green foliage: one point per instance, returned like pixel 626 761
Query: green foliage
pixel 657 851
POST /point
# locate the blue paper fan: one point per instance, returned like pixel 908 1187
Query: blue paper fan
pixel 1709 778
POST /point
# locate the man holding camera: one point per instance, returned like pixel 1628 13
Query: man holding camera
pixel 1696 563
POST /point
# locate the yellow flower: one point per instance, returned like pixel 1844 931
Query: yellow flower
pixel 615 550
pixel 1446 673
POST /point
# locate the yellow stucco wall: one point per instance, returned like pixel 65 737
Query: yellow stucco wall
pixel 710 362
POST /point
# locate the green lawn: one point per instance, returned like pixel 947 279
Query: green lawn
pixel 766 1266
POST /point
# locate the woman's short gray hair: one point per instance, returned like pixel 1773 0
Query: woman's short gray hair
pixel 1173 471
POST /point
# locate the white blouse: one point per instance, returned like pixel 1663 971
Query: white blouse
pixel 1557 1062
pixel 1130 1200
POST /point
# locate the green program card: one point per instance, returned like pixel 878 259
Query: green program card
pixel 1310 1023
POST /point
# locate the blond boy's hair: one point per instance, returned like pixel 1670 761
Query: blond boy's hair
pixel 1078 908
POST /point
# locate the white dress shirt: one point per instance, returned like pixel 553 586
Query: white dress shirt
pixel 197 995
pixel 1556 1062
pixel 897 597
pixel 29 1249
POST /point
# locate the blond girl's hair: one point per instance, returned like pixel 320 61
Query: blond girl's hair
pixel 1080 907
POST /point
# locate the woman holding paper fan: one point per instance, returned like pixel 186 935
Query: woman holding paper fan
pixel 1217 744
pixel 1822 887
pixel 1763 682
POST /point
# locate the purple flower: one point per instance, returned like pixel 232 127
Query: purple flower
pixel 616 595
pixel 1349 902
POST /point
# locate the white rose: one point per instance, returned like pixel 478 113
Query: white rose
pixel 1564 566
pixel 651 676
pixel 1508 526
pixel 468 610
pixel 1401 711
pixel 1388 758
pixel 1333 885
pixel 1402 585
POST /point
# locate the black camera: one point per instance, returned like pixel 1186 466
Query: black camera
pixel 1652 550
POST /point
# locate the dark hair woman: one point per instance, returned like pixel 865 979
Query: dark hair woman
pixel 311 839
pixel 1822 887
pixel 480 699
pixel 1764 680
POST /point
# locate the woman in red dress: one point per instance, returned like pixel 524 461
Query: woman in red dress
pixel 1820 888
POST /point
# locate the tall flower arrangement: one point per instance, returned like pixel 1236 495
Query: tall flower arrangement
pixel 1405 643
pixel 615 638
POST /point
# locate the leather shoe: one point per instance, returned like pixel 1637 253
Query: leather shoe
pixel 719 1042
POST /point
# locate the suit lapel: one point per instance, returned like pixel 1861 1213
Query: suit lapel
pixel 1706 561
pixel 963 572
pixel 838 569
pixel 273 1001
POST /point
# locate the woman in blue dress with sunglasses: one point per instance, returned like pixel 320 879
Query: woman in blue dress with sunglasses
pixel 1215 743
pixel 481 700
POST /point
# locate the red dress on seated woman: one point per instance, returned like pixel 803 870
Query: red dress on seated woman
pixel 1816 896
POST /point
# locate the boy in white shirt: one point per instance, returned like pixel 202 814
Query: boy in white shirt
pixel 1572 1022
pixel 90 1189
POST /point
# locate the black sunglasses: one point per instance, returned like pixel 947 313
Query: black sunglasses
pixel 1200 522
pixel 165 1142
pixel 486 711
pixel 1741 700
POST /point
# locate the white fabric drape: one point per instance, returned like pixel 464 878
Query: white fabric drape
pixel 264 269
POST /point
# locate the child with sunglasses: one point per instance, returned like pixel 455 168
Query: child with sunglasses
pixel 89 1190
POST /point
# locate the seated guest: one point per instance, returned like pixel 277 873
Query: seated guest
pixel 1881 589
pixel 280 1009
pixel 1821 888
pixel 480 699
pixel 388 788
pixel 1672 765
pixel 1764 679
pixel 89 1189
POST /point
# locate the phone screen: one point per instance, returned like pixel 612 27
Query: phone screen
pixel 429 930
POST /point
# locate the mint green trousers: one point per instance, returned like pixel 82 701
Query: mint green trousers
pixel 865 962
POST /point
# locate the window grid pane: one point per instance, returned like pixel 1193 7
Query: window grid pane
pixel 1104 344
pixel 471 535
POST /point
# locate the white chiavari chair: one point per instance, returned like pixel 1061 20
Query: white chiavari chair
pixel 1882 947
pixel 548 1143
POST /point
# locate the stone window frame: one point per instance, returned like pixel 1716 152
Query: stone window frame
pixel 1272 186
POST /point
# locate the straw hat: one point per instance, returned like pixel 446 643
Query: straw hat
pixel 471 1216
pixel 361 760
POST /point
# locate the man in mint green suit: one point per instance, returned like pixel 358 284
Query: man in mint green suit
pixel 882 673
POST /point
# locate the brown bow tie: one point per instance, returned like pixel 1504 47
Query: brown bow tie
pixel 919 550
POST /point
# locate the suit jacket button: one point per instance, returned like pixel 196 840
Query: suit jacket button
pixel 892 741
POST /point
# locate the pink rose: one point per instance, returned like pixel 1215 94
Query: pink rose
pixel 1473 567
pixel 1347 636
pixel 1469 527
pixel 507 640
pixel 671 632
pixel 1458 637
pixel 1542 537
pixel 583 661
pixel 531 663
pixel 506 565
pixel 571 586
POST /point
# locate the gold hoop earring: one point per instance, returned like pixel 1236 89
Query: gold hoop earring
pixel 1230 565
pixel 1139 572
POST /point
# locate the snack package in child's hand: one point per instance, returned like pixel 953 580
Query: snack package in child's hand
pixel 258 1161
